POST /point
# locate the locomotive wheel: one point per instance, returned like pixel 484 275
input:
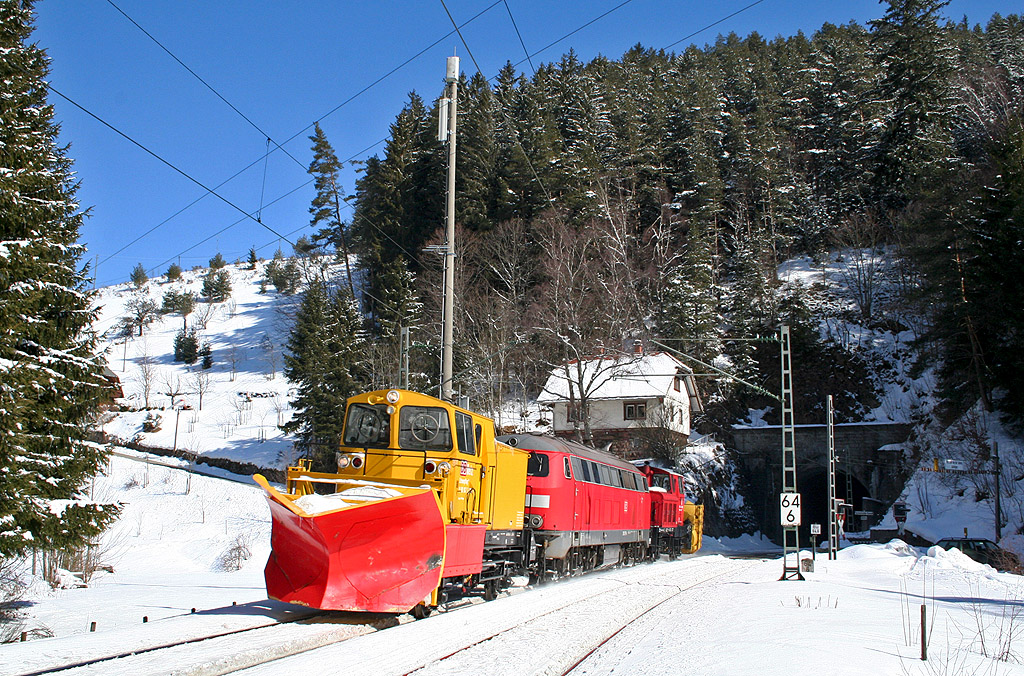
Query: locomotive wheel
pixel 420 612
pixel 490 590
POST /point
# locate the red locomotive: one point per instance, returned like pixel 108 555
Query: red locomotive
pixel 587 509
pixel 672 528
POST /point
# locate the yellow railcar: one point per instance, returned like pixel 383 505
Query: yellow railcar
pixel 424 498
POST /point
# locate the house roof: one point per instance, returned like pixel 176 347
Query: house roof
pixel 632 376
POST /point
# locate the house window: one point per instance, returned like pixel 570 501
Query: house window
pixel 676 381
pixel 573 412
pixel 634 410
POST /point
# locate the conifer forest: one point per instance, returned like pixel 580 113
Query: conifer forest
pixel 655 195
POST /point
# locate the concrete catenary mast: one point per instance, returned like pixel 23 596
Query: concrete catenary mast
pixel 448 132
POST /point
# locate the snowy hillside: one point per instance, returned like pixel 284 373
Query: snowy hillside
pixel 244 395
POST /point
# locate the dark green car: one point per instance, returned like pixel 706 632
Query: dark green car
pixel 983 551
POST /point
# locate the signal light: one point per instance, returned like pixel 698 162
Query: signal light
pixel 357 461
pixel 430 467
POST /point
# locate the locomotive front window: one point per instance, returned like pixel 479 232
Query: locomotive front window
pixel 424 428
pixel 367 426
pixel 662 481
pixel 537 465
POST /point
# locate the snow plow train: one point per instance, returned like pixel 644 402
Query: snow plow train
pixel 428 506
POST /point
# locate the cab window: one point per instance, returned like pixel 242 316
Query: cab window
pixel 464 432
pixel 537 465
pixel 424 428
pixel 367 426
pixel 565 467
pixel 662 481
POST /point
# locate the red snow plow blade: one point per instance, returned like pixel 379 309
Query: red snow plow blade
pixel 369 547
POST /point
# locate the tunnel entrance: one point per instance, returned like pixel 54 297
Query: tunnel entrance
pixel 813 486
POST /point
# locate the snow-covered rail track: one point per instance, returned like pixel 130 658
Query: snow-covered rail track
pixel 550 630
pixel 220 652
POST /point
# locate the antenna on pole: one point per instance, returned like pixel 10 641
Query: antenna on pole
pixel 451 107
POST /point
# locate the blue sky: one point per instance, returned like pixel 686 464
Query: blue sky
pixel 286 64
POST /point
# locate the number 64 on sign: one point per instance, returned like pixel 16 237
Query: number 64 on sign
pixel 790 503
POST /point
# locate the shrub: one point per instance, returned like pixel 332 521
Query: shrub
pixel 173 272
pixel 217 262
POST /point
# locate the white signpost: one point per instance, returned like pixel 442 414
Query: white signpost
pixel 790 503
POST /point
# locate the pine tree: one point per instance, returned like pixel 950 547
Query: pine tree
pixel 325 363
pixel 325 209
pixel 217 286
pixel 253 258
pixel 173 272
pixel 186 346
pixel 50 384
pixel 139 276
pixel 217 262
pixel 916 64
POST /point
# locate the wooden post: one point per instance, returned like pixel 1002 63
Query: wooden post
pixel 924 633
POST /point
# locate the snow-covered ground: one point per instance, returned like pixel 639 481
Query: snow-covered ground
pixel 244 395
pixel 718 614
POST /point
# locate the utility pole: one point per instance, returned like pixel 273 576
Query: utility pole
pixel 999 515
pixel 452 78
pixel 403 361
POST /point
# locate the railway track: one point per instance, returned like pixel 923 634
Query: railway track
pixel 552 630
pixel 593 610
pixel 222 652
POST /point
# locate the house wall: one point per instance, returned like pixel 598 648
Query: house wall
pixel 608 414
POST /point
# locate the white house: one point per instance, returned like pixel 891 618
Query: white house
pixel 624 393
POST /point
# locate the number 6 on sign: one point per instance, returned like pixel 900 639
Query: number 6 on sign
pixel 790 503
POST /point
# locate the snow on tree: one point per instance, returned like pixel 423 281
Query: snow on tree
pixel 50 380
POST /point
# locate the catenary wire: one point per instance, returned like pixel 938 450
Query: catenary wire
pixel 205 83
pixel 155 155
pixel 289 139
pixel 520 36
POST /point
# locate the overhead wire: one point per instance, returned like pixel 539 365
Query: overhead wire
pixel 520 36
pixel 277 145
pixel 157 156
pixel 205 83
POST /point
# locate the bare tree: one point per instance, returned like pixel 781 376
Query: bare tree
pixel 174 386
pixel 201 385
pixel 280 406
pixel 233 359
pixel 147 374
pixel 581 313
pixel 863 239
pixel 270 355
pixel 204 313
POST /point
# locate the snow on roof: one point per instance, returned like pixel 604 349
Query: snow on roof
pixel 633 376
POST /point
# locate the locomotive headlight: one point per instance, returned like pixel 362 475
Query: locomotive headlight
pixel 343 461
pixel 430 467
pixel 393 396
pixel 357 461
